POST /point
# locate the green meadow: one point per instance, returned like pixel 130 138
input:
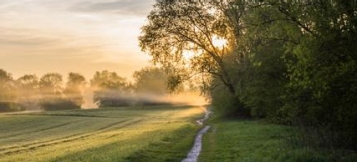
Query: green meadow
pixel 107 134
pixel 260 141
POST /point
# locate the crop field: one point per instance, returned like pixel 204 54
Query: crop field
pixel 109 134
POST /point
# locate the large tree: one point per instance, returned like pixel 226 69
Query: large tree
pixel 184 38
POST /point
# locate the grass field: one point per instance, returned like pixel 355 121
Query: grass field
pixel 252 141
pixel 111 134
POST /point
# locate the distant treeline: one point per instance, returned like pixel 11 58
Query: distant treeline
pixel 29 92
pixel 290 63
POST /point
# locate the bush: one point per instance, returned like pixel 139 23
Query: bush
pixel 142 102
pixel 59 104
pixel 114 102
pixel 225 104
pixel 10 107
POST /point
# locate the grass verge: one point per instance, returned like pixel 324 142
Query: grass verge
pixel 246 140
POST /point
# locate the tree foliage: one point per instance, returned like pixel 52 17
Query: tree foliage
pixel 176 29
pixel 51 84
pixel 28 91
pixel 54 95
pixel 74 88
pixel 322 72
pixel 151 81
pixel 110 89
pixel 290 62
pixel 28 82
pixel 7 93
pixel 6 86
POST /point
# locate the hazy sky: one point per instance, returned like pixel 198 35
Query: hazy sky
pixel 39 36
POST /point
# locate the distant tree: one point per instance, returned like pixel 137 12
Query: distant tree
pixel 74 88
pixel 28 82
pixel 6 86
pixel 52 93
pixel 28 91
pixel 151 80
pixel 51 84
pixel 110 89
pixel 150 84
pixel 7 92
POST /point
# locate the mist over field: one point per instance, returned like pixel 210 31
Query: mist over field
pixel 181 98
pixel 105 89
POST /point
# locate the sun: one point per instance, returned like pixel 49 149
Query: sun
pixel 188 54
pixel 219 42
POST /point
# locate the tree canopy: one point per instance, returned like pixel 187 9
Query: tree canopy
pixel 74 88
pixel 51 84
pixel 151 81
pixel 182 36
pixel 290 62
pixel 110 89
pixel 7 93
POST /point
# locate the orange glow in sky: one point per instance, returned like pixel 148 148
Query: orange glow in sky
pixel 40 36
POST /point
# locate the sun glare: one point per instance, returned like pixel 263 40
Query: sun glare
pixel 188 54
pixel 219 42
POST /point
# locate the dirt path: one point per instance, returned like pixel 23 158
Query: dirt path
pixel 193 155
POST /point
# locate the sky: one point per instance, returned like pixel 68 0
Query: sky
pixel 84 36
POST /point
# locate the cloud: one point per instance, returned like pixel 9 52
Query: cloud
pixel 123 7
pixel 82 35
pixel 37 43
pixel 23 37
pixel 6 4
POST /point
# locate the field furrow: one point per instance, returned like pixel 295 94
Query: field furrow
pixel 33 131
pixel 81 136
